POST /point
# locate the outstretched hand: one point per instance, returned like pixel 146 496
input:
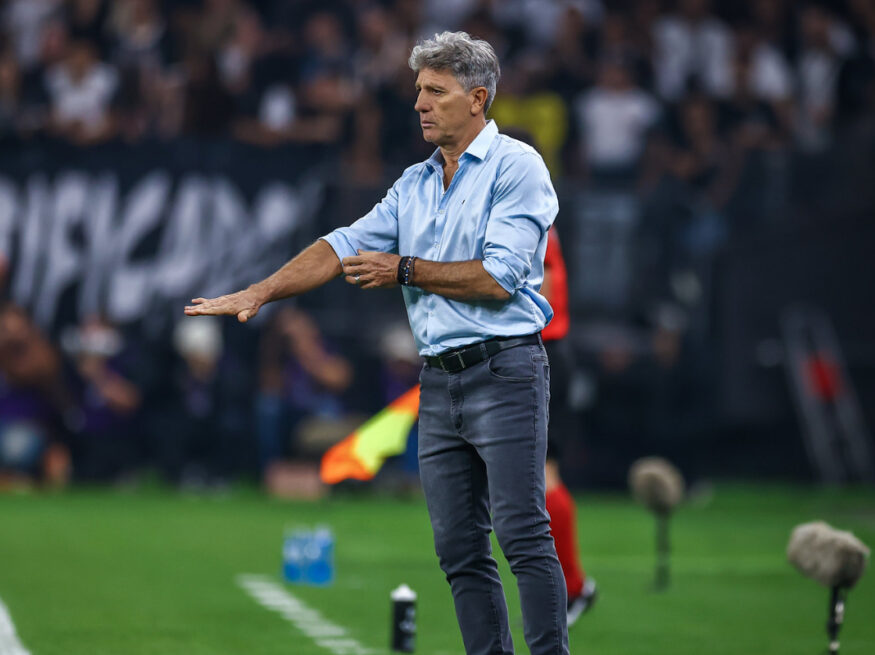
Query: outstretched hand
pixel 372 270
pixel 243 304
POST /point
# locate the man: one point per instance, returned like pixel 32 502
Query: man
pixel 471 223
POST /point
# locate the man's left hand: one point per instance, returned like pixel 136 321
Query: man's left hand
pixel 372 270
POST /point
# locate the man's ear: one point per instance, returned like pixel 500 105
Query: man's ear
pixel 478 100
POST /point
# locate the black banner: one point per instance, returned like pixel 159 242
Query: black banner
pixel 128 231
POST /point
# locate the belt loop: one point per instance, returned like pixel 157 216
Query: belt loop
pixel 484 350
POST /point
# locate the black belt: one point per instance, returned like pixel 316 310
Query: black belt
pixel 459 359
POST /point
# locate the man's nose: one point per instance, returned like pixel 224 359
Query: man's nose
pixel 420 105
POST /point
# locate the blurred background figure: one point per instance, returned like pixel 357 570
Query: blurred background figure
pixel 692 46
pixel 200 434
pixel 302 381
pixel 81 91
pixel 105 430
pixel 399 372
pixel 33 403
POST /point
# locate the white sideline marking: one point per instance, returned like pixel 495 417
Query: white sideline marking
pixel 9 643
pixel 323 632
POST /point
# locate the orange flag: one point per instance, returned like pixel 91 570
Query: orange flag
pixel 361 454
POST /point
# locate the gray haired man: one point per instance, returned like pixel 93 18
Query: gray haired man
pixel 464 234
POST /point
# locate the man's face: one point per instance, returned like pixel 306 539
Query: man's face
pixel 445 108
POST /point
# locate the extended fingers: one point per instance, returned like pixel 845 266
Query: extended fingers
pixel 209 306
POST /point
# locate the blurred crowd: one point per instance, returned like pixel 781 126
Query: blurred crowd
pixel 591 80
pixel 652 110
pixel 103 404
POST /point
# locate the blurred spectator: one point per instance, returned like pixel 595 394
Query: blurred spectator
pixel 327 88
pixel 618 42
pixel 214 24
pixel 24 21
pixel 207 107
pixel 570 60
pixel 142 48
pixel 692 46
pixel 824 45
pixel 748 120
pixel 523 104
pixel 643 16
pixel 34 110
pixel 856 92
pixel 614 119
pixel 270 109
pixel 326 47
pixel 758 111
pixel 443 15
pixel 773 22
pixel 300 377
pixel 409 14
pixel 10 96
pixel 86 20
pixel 106 444
pixel 33 403
pixel 540 22
pixel 239 54
pixel 141 40
pixel 767 72
pixel 81 91
pixel 707 167
pixel 201 418
pixel 383 50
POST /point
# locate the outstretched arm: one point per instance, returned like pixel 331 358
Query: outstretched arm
pixel 313 267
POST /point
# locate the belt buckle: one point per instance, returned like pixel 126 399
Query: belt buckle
pixel 462 365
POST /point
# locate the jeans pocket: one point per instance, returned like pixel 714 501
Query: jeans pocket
pixel 512 365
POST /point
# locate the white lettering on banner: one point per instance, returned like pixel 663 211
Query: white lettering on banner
pixel 31 219
pixel 63 261
pixel 8 210
pixel 130 285
pixel 98 235
pixel 128 254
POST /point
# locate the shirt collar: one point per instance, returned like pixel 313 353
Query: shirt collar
pixel 480 145
pixel 478 148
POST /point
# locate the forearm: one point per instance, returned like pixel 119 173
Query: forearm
pixel 311 268
pixel 457 280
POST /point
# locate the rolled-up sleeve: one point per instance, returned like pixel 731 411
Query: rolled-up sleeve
pixel 377 230
pixel 524 206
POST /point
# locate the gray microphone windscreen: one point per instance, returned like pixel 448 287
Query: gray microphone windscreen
pixel 833 558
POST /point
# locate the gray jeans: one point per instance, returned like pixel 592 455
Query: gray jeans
pixel 482 444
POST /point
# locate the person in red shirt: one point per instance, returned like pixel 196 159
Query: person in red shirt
pixel 582 590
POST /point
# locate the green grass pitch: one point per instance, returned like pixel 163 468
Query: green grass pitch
pixel 154 573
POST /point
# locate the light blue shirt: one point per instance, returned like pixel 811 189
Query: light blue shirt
pixel 497 209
